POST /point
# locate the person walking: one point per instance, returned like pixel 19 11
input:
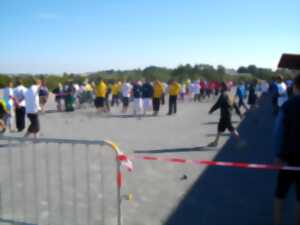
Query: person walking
pixel 8 96
pixel 32 102
pixel 241 94
pixel 287 151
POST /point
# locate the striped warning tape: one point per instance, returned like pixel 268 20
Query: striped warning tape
pixel 212 163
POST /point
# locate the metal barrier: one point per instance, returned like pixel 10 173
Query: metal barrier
pixel 59 182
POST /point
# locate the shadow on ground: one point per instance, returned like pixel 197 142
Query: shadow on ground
pixel 173 150
pixel 226 196
pixel 216 122
pixel 14 222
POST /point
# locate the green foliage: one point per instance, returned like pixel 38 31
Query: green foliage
pixel 4 79
pixel 181 73
pixel 258 73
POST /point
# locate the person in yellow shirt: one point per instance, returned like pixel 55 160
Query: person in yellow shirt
pixel 3 114
pixel 101 90
pixel 174 90
pixel 115 91
pixel 158 91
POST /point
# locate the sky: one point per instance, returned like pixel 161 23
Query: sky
pixel 89 35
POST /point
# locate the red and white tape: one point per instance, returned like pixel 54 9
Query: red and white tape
pixel 213 163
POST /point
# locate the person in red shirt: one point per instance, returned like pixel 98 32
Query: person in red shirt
pixel 202 88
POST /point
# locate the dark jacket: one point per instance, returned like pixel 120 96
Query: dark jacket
pixel 225 107
pixel 137 91
pixel 147 90
pixel 288 125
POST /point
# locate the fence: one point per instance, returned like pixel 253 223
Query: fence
pixel 59 182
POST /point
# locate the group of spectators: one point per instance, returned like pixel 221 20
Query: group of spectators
pixel 19 101
pixel 144 96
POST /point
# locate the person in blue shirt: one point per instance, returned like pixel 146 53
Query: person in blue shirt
pixel 287 150
pixel 241 94
pixel 274 94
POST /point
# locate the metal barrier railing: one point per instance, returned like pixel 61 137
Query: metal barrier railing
pixel 59 181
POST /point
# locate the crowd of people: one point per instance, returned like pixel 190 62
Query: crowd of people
pixel 21 101
pixel 143 97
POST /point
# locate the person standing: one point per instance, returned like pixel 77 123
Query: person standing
pixel 191 89
pixel 274 94
pixel 158 90
pixel 115 94
pixel 19 93
pixel 43 94
pixel 3 114
pixel 281 91
pixel 197 89
pixel 163 96
pixel 182 91
pixel 147 96
pixel 252 95
pixel 137 93
pixel 8 96
pixel 174 90
pixel 59 96
pixel 126 92
pixel 264 87
pixel 69 96
pixel 106 101
pixel 32 102
pixel 101 91
pixel 286 146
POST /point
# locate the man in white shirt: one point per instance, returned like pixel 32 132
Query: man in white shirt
pixel 126 93
pixel 282 91
pixel 8 97
pixel 264 87
pixel 163 96
pixel 182 91
pixel 19 94
pixel 32 108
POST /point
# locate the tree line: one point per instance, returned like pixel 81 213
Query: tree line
pixel 180 73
